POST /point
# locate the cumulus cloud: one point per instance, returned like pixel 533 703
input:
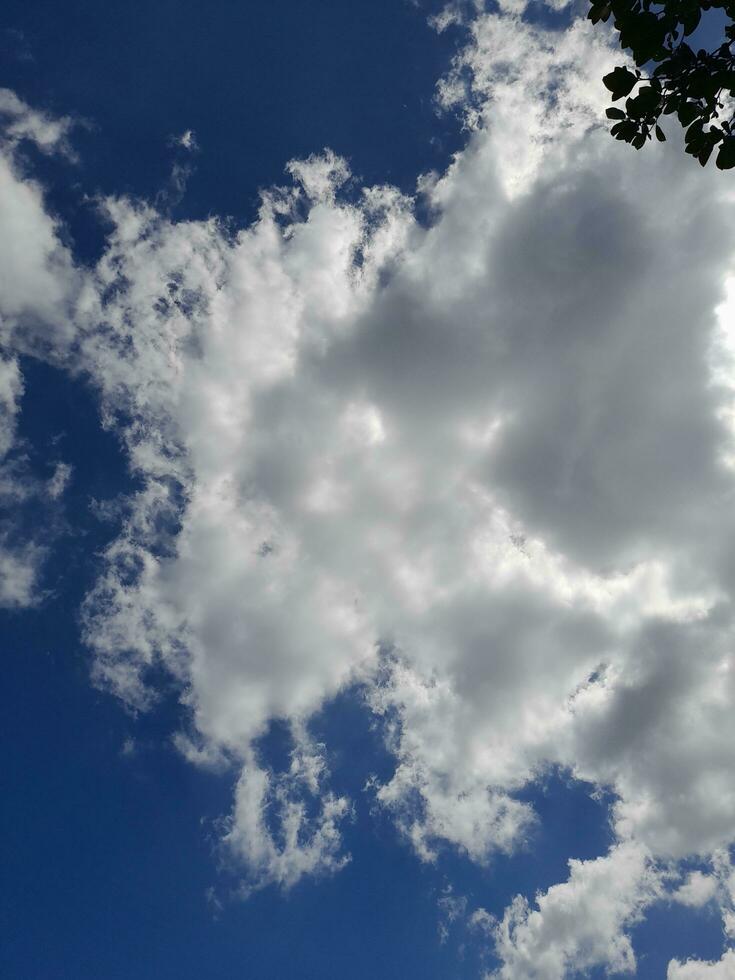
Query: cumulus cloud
pixel 38 282
pixel 723 969
pixel 581 923
pixel 697 890
pixel 482 466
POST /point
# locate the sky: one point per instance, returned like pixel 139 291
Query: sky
pixel 367 470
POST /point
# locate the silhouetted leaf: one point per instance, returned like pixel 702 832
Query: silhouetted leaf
pixel 704 154
pixel 687 113
pixel 691 21
pixel 726 156
pixel 620 81
pixel 694 133
pixel 644 102
pixel 600 11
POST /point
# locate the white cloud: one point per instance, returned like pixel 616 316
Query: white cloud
pixel 723 969
pixel 452 908
pixel 59 480
pixel 37 286
pixel 21 122
pixel 580 924
pixel 19 571
pixel 21 557
pixel 496 446
pixel 270 828
pixel 37 278
pixel 186 140
pixel 439 791
pixel 11 388
pixel 717 887
pixel 697 890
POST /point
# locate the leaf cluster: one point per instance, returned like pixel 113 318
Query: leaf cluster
pixel 696 88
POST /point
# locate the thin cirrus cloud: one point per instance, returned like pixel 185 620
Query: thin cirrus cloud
pixel 481 466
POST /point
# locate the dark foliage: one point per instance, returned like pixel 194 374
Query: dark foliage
pixel 696 87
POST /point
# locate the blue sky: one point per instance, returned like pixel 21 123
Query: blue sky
pixel 366 487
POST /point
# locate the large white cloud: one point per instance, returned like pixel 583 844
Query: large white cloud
pixel 484 467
